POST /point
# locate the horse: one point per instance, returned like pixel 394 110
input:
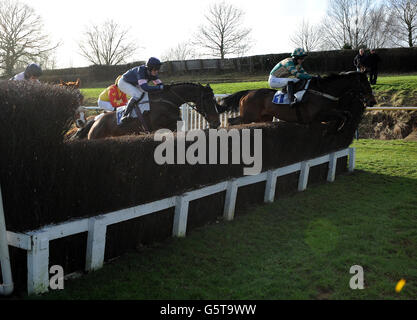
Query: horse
pixel 72 84
pixel 79 117
pixel 164 112
pixel 322 101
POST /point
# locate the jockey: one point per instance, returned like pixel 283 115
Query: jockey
pixel 32 72
pixel 135 84
pixel 112 98
pixel 288 72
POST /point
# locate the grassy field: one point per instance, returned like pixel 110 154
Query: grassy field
pixel 300 247
pixel 390 90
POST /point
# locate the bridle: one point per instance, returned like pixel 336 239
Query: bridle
pixel 362 97
pixel 80 122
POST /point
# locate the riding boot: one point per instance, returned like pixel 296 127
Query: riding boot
pixel 290 91
pixel 128 110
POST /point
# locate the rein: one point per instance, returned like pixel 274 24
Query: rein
pixel 193 105
pixel 324 95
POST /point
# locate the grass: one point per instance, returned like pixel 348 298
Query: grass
pixel 390 90
pixel 300 247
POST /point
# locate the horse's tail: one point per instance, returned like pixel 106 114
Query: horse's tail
pixel 231 103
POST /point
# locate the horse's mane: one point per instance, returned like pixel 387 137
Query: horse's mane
pixel 184 84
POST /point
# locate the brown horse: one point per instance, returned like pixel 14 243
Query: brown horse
pixel 79 116
pixel 321 103
pixel 164 112
pixel 72 84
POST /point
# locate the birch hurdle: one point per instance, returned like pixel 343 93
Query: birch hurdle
pixel 36 243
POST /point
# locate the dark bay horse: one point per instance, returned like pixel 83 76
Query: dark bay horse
pixel 321 103
pixel 164 111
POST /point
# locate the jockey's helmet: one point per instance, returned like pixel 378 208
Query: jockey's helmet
pixel 299 53
pixel 154 64
pixel 33 70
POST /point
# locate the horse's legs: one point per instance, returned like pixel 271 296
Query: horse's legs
pixel 83 132
pixel 335 115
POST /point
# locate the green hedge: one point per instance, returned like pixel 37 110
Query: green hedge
pixel 396 60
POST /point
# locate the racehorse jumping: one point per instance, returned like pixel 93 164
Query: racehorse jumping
pixel 321 103
pixel 164 112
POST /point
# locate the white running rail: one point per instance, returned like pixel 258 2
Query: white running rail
pixel 36 242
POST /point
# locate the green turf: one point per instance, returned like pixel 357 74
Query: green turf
pixel 300 247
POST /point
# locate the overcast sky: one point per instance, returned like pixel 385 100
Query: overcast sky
pixel 159 25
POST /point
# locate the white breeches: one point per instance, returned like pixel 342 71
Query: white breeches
pixel 131 90
pixel 105 105
pixel 276 83
pixel 135 93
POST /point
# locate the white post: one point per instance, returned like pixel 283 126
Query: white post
pixel 184 111
pixel 96 244
pixel 270 187
pixel 230 201
pixel 38 264
pixel 331 175
pixel 6 271
pixel 352 159
pixel 303 180
pixel 180 217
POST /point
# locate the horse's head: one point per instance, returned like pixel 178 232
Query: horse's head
pixel 208 106
pixel 79 117
pixel 366 90
pixel 346 83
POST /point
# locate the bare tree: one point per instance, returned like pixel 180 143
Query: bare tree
pixel 22 39
pixel 381 29
pixel 405 21
pixel 222 34
pixel 183 51
pixel 353 23
pixel 307 36
pixel 107 44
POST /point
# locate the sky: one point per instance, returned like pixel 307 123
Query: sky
pixel 159 25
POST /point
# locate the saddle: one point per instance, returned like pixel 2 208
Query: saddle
pixel 281 97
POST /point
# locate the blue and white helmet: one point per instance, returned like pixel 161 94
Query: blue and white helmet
pixel 154 64
pixel 299 53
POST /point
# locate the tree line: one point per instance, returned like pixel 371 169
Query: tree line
pixel 347 24
pixel 354 24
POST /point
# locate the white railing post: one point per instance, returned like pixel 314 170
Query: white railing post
pixel 7 286
pixel 331 175
pixel 184 116
pixel 270 187
pixel 96 244
pixel 230 201
pixel 180 217
pixel 38 264
pixel 352 159
pixel 303 180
